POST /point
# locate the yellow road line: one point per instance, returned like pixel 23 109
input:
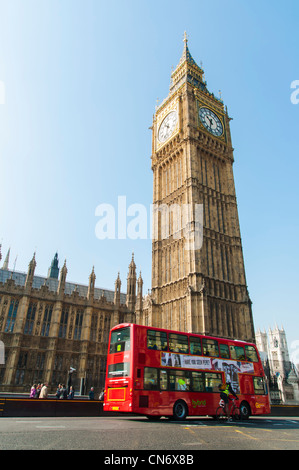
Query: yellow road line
pixel 201 441
pixel 247 435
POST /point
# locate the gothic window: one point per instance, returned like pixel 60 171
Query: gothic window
pixel 40 361
pixel 106 329
pixel 21 366
pixel 181 173
pixel 206 172
pixel 93 328
pixel 215 177
pixel 212 260
pixel 63 323
pixel 39 367
pixel 30 318
pixel 165 172
pixel 222 263
pixel 58 374
pixel 11 318
pixel 166 267
pixel 223 219
pixel 219 181
pixel 78 324
pixel 46 320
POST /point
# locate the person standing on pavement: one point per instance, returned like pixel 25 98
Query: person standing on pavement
pixel 44 391
pixel 32 391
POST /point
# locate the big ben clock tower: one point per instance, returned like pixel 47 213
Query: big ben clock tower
pixel 197 286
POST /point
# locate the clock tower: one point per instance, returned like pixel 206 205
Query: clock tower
pixel 198 275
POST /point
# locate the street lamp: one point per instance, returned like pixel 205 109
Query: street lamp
pixel 69 382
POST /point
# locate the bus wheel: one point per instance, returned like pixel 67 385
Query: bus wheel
pixel 245 411
pixel 180 410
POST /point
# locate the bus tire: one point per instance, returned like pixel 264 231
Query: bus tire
pixel 245 410
pixel 180 410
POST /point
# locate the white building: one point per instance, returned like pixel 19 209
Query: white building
pixel 282 374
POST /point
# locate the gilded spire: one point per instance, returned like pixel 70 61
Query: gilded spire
pixel 187 70
pixel 186 56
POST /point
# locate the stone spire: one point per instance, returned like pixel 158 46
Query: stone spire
pixel 62 279
pixel 6 261
pixel 117 291
pixel 131 285
pixel 139 291
pixel 91 285
pixel 30 273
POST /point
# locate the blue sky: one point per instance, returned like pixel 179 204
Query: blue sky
pixel 81 83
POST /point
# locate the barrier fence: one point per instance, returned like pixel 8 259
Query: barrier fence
pixel 21 407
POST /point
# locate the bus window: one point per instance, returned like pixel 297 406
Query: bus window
pixel 163 379
pixel 157 340
pixel 198 384
pixel 259 386
pixel 179 380
pixel 120 340
pixel 224 351
pixel 195 346
pixel 237 352
pixel 178 343
pixel 150 378
pixel 210 347
pixel 251 354
pixel 212 381
pixel 122 369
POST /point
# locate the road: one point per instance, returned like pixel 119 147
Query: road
pixel 137 433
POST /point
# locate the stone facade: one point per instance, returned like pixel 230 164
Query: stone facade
pixel 198 274
pixel 282 374
pixel 48 325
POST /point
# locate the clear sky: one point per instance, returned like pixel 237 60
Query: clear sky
pixel 79 81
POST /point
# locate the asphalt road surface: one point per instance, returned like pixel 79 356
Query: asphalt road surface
pixel 124 433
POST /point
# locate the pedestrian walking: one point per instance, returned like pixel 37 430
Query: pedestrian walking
pixel 44 391
pixel 38 389
pixel 58 391
pixel 63 393
pixel 33 391
pixel 91 394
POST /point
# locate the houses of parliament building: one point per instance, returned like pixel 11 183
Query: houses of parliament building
pixel 49 325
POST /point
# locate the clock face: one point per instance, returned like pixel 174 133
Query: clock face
pixel 168 125
pixel 211 121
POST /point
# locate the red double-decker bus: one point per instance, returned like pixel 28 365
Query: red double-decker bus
pixel 158 372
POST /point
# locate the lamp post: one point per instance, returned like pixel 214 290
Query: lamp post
pixel 69 381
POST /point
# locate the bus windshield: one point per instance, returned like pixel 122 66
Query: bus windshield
pixel 120 340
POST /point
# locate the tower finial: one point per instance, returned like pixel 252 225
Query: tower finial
pixel 185 38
